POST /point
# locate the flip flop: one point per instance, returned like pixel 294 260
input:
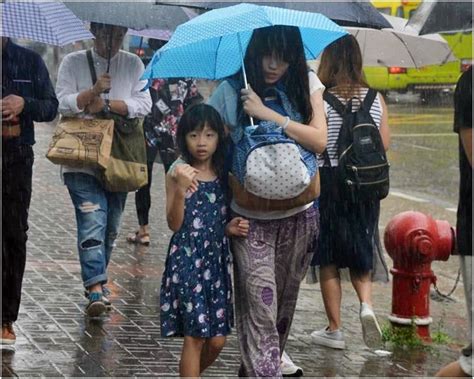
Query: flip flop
pixel 142 239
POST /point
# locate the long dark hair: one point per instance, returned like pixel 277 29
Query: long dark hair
pixel 196 117
pixel 285 43
pixel 341 67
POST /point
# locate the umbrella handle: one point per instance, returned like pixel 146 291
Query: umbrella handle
pixel 244 73
pixel 109 52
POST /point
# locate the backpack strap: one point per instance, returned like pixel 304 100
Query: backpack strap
pixel 327 160
pixel 369 99
pixel 334 102
pixel 91 66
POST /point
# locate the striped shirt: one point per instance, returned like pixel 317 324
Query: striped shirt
pixel 334 121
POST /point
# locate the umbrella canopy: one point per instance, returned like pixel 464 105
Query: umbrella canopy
pixel 161 34
pixel 347 13
pixel 212 45
pixel 136 15
pixel 401 46
pixel 442 16
pixel 48 22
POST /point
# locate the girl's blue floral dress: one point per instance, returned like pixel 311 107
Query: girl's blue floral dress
pixel 196 288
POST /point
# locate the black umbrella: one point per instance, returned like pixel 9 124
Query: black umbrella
pixel 442 16
pixel 136 15
pixel 346 13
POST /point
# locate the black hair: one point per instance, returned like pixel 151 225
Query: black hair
pixel 96 26
pixel 195 118
pixel 285 43
pixel 156 44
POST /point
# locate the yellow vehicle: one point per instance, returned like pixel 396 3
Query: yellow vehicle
pixel 425 80
pixel 402 8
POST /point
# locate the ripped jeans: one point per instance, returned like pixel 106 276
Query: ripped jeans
pixel 98 216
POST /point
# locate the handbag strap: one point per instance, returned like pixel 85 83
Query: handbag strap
pixel 91 66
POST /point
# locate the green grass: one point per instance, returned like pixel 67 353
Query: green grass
pixel 441 338
pixel 402 337
pixel 407 337
pixel 438 336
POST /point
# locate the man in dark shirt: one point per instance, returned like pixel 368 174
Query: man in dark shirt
pixel 463 126
pixel 27 96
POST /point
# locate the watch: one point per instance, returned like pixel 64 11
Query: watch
pixel 106 108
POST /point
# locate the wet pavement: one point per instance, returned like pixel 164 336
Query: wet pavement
pixel 54 338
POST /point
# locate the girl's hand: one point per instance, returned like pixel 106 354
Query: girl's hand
pixel 185 177
pixel 238 227
pixel 252 104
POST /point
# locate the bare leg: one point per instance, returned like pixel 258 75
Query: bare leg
pixel 95 288
pixel 371 331
pixel 363 286
pixel 143 229
pixel 332 295
pixel 211 350
pixel 189 365
pixel 452 369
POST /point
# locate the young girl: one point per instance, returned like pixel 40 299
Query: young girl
pixel 271 262
pixel 196 289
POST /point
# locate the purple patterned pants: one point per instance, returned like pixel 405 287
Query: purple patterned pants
pixel 269 266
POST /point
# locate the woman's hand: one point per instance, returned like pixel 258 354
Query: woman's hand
pixel 185 177
pixel 238 227
pixel 252 104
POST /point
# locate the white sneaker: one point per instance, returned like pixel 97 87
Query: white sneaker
pixel 329 338
pixel 370 327
pixel 288 368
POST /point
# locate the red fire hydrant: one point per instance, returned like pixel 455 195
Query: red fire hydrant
pixel 413 240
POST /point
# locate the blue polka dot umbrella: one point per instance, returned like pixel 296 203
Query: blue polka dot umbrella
pixel 212 45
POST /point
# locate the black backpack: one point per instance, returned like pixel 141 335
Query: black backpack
pixel 363 168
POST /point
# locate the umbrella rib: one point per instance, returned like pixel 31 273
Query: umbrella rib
pixel 305 46
pixel 458 41
pixel 408 50
pixel 217 51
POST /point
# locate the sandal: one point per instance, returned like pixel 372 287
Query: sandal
pixel 105 292
pixel 96 305
pixel 142 239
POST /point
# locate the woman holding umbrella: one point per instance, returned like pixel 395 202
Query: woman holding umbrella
pixel 271 262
